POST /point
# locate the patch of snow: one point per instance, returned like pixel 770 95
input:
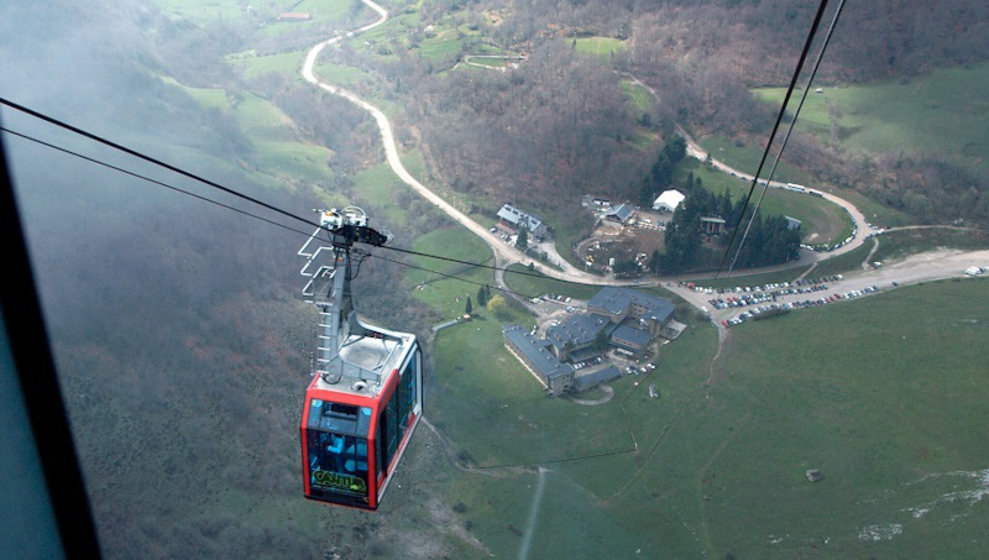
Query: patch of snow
pixel 880 532
pixel 972 496
pixel 918 512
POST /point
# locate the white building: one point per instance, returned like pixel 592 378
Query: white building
pixel 668 201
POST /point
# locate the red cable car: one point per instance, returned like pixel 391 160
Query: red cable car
pixel 365 399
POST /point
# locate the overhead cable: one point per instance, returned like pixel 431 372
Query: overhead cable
pixel 779 119
pixel 148 179
pixel 789 130
pixel 207 182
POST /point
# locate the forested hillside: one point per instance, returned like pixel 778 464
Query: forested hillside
pixel 494 133
pixel 181 344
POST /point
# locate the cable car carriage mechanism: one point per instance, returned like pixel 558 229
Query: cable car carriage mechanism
pixel 365 399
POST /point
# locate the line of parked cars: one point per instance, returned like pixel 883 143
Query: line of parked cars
pixel 774 309
pixel 748 295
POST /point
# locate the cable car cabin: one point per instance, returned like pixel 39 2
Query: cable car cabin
pixel 365 399
pixel 359 416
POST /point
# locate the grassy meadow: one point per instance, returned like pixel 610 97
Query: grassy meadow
pixel 275 152
pixel 746 158
pixel 898 244
pixel 599 46
pixel 640 96
pixel 533 284
pixel 252 65
pixel 944 111
pixel 718 467
pixel 428 283
pixel 822 221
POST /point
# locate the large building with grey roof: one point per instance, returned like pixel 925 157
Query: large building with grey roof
pixel 556 376
pixel 621 213
pixel 619 304
pixel 584 382
pixel 630 338
pixel 618 317
pixel 579 331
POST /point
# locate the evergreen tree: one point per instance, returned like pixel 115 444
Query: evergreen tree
pixel 482 296
pixel 725 208
pixel 655 262
pixel 768 241
pixel 522 242
pixel 646 193
pixel 468 308
pixel 675 149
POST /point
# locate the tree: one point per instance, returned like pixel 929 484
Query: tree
pixel 675 149
pixel 522 242
pixel 646 193
pixel 469 307
pixel 655 261
pixel 498 306
pixel 482 296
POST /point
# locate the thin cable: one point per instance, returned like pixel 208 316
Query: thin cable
pixel 453 277
pixel 474 264
pixel 238 210
pixel 149 179
pixel 789 130
pixel 779 118
pixel 208 182
pixel 152 160
pixel 268 221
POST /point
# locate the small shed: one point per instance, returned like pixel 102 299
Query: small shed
pixel 712 225
pixel 621 214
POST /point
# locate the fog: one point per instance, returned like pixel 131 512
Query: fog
pixel 180 344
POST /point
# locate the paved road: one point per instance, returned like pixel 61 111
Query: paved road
pixel 861 224
pixel 914 269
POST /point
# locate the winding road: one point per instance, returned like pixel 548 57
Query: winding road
pixel 503 252
pixel 914 269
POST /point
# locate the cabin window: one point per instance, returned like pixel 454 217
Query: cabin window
pixel 406 392
pixel 388 430
pixel 338 463
pixel 337 446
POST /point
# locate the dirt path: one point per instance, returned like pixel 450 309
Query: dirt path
pixel 609 394
pixel 724 335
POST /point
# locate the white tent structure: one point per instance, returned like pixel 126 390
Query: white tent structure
pixel 668 201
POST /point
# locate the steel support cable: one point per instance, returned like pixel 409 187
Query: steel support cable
pixel 155 161
pixel 244 212
pixel 454 277
pixel 786 137
pixel 779 118
pixel 136 175
pixel 195 177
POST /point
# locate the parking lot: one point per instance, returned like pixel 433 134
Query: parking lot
pixel 732 306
